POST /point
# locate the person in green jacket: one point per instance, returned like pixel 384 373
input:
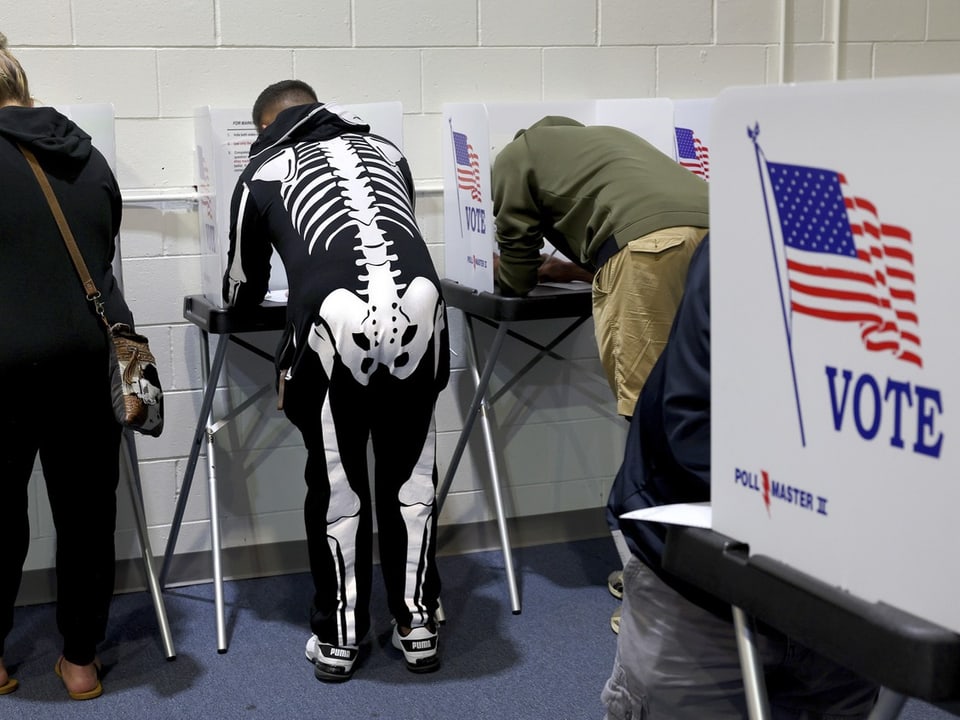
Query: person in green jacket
pixel 593 192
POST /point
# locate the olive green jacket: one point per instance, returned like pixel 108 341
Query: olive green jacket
pixel 577 186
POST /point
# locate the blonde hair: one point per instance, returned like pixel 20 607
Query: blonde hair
pixel 13 81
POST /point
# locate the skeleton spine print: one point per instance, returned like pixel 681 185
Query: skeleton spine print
pixel 349 189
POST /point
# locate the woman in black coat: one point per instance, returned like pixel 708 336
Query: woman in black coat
pixel 54 385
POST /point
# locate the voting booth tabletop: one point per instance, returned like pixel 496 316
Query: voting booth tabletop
pixel 902 652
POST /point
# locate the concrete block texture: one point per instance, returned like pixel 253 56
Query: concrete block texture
pixel 155 154
pixel 605 72
pixel 80 76
pixel 489 74
pixel 222 77
pixel 808 21
pixel 539 23
pixel 175 23
pixel 943 20
pixel 155 287
pixel 293 23
pixel 653 22
pixel 415 23
pixel 748 21
pixel 878 20
pixel 361 75
pixel 931 58
pixel 21 26
pixel 704 71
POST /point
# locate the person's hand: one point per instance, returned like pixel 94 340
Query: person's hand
pixel 553 269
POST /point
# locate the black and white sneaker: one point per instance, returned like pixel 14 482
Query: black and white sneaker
pixel 615 584
pixel 331 663
pixel 419 647
pixel 615 619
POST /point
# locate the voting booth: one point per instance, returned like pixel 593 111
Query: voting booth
pixel 473 134
pixel 834 338
pixel 691 130
pixel 223 139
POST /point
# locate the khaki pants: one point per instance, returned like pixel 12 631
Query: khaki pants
pixel 635 296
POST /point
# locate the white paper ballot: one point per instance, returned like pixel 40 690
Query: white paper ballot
pixel 571 285
pixel 277 296
pixel 690 514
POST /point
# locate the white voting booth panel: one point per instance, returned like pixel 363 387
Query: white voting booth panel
pixel 691 120
pixel 473 134
pixel 834 337
pixel 97 120
pixel 223 139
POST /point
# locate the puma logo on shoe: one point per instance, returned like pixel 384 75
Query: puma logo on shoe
pixel 419 648
pixel 331 663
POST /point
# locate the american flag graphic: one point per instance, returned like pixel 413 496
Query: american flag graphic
pixel 468 166
pixel 693 154
pixel 843 263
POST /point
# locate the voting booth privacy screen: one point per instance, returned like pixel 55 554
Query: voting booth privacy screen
pixel 834 334
pixel 223 139
pixel 473 134
pixel 97 120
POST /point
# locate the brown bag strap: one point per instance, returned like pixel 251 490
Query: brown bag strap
pixel 93 295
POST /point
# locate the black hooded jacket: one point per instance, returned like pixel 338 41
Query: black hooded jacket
pixel 44 314
pixel 318 183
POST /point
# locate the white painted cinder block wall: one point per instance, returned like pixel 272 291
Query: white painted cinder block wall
pixel 157 61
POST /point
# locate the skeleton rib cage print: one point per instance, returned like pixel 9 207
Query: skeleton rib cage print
pixel 349 189
pixel 343 185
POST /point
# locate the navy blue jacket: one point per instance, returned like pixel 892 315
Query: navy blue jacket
pixel 667 458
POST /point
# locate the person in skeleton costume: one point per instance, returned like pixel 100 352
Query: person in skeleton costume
pixel 364 357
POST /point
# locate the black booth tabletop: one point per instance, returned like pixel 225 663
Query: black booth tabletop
pixel 220 321
pixel 894 648
pixel 542 303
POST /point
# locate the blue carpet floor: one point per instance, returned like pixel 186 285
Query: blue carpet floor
pixel 548 662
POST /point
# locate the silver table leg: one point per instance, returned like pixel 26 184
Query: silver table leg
pixel 480 406
pixel 204 429
pixel 889 704
pixel 751 667
pixel 129 452
pixel 215 543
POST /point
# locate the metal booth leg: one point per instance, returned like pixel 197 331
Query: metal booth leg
pixel 889 704
pixel 211 375
pixel 480 406
pixel 751 668
pixel 129 452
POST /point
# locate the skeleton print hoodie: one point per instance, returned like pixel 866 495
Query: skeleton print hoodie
pixel 337 203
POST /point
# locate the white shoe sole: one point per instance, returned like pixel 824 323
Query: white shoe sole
pixel 420 649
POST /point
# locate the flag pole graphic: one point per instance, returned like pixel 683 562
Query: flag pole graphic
pixel 456 182
pixel 753 133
